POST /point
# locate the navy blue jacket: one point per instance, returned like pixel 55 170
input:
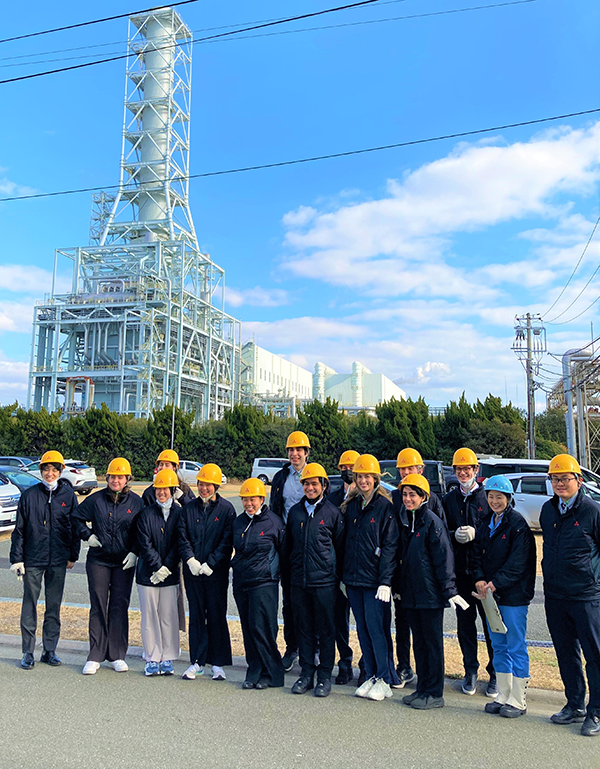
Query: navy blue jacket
pixel 258 542
pixel 206 533
pixel 371 544
pixel 314 545
pixel 507 558
pixel 464 511
pixel 44 534
pixel 112 522
pixel 158 543
pixel 187 495
pixel 277 484
pixel 337 497
pixel 433 504
pixel 571 562
pixel 426 562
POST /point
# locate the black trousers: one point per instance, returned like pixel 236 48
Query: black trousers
pixel 257 608
pixel 575 626
pixel 289 628
pixel 466 625
pixel 209 632
pixel 314 615
pixel 110 593
pixel 54 583
pixel 427 627
pixel 342 630
pixel 402 636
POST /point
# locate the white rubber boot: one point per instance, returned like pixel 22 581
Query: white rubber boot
pixel 516 705
pixel 504 681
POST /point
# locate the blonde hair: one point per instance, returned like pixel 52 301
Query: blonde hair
pixel 355 492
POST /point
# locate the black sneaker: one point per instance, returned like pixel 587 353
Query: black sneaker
pixel 288 660
pixel 302 685
pixel 323 688
pixel 568 715
pixel 591 726
pixel 406 676
pixel 344 676
pixel 469 684
pixel 492 687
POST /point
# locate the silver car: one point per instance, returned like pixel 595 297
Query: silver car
pixel 82 477
pixel 9 501
pixel 188 470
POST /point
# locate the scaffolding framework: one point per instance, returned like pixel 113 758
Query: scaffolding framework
pixel 144 323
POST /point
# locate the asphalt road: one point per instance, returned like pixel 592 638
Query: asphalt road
pixel 55 718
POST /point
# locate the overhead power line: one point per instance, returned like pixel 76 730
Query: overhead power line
pixel 282 163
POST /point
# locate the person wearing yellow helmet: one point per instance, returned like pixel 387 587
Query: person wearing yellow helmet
pixel 169 460
pixel 106 520
pixel 466 507
pixel 205 546
pixel 258 542
pixel 286 491
pixel 426 584
pixel 44 544
pixel 157 575
pixel 370 553
pixel 314 548
pixel 570 524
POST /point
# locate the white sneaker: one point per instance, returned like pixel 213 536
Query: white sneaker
pixel 120 666
pixel 90 668
pixel 365 688
pixel 380 690
pixel 193 671
pixel 218 674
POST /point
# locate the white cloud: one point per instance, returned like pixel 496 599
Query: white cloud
pixel 21 278
pixel 14 377
pixel 301 216
pixel 16 316
pixel 256 297
pixel 9 188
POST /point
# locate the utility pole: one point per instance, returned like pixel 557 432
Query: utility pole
pixel 529 346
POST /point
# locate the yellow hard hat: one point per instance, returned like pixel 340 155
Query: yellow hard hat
pixel 409 458
pixel 348 458
pixel 253 487
pixel 367 463
pixel 415 479
pixel 52 458
pixel 313 470
pixel 297 440
pixel 168 455
pixel 464 458
pixel 166 479
pixel 210 473
pixel 564 463
pixel 119 466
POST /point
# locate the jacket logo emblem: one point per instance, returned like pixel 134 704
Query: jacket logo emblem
pixel 479 509
pixel 372 520
pixel 63 505
pixel 128 511
pixel 262 533
pixel 321 522
pixel 418 534
pixel 504 536
pixel 576 523
pixel 216 519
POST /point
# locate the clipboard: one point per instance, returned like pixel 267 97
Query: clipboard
pixel 492 612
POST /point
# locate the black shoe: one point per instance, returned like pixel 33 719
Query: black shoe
pixel 406 676
pixel 28 661
pixel 492 687
pixel 344 676
pixel 263 683
pixel 302 685
pixel 323 688
pixel 362 677
pixel 493 708
pixel 248 685
pixel 288 660
pixel 408 699
pixel 569 715
pixel 469 684
pixel 591 726
pixel 509 711
pixel 50 658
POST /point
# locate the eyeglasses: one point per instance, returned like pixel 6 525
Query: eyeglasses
pixel 562 479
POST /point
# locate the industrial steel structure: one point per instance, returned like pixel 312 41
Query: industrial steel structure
pixel 144 323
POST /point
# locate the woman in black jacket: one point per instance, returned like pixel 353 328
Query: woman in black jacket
pixel 427 585
pixel 157 576
pixel 258 541
pixel 109 566
pixel 371 546
pixel 505 565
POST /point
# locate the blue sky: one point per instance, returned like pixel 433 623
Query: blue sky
pixel 413 261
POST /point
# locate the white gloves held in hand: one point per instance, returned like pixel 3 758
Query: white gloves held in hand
pixel 195 566
pixel 129 561
pixel 160 575
pixel 464 534
pixel 384 593
pixel 93 541
pixel 18 569
pixel 205 570
pixel 458 600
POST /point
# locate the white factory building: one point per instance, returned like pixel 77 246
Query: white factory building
pixel 264 373
pixel 359 389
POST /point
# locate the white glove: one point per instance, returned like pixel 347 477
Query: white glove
pixel 18 569
pixel 160 575
pixel 343 589
pixel 129 561
pixel 384 593
pixel 465 534
pixel 195 566
pixel 458 600
pixel 205 570
pixel 93 541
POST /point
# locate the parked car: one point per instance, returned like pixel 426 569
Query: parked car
pixel 335 483
pixel 450 478
pixel 20 462
pixel 188 470
pixel 9 500
pixel 433 471
pixel 264 468
pixel 19 478
pixel 82 477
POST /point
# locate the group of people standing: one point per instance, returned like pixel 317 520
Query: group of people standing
pixel 359 548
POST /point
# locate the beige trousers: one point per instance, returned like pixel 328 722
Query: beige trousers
pixel 160 622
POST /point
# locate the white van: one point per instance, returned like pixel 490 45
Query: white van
pixel 264 468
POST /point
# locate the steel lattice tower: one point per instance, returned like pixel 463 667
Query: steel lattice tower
pixel 144 324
